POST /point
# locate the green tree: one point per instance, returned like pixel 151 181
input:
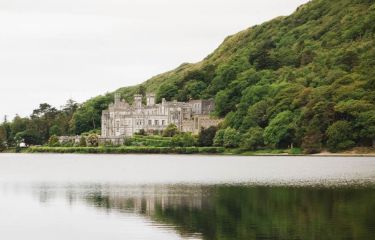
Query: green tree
pixel 219 138
pixel 29 137
pixel 253 139
pixel 167 91
pixel 222 103
pixel 339 136
pixel 366 125
pixel 3 138
pixel 280 131
pixel 231 138
pixel 55 130
pixel 312 139
pixel 206 136
pixel 257 115
pixel 192 90
pixel 88 116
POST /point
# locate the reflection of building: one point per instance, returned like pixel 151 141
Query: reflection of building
pixel 147 199
pixel 122 119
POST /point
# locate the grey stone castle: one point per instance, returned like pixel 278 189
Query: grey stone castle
pixel 123 120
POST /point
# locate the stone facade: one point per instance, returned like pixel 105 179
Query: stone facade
pixel 123 120
pixel 72 139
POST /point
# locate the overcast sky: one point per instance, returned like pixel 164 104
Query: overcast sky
pixel 53 50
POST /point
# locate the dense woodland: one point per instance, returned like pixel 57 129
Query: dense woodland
pixel 306 80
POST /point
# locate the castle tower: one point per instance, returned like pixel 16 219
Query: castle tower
pixel 138 100
pixel 150 97
pixel 117 98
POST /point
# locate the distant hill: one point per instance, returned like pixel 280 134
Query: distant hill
pixel 302 79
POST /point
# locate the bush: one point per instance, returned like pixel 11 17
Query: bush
pixel 2 145
pixel 128 141
pixel 170 131
pixel 69 143
pixel 183 140
pixel 152 140
pixel 82 142
pixel 53 141
pixel 92 140
pixel 295 151
pixel 142 132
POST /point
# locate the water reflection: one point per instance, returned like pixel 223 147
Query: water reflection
pixel 241 212
pixel 185 197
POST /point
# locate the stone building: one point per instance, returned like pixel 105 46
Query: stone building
pixel 123 120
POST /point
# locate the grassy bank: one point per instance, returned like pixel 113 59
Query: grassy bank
pixel 126 149
pixel 184 150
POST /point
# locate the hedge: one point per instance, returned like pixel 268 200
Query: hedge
pixel 126 149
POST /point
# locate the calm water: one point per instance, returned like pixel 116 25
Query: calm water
pixel 186 197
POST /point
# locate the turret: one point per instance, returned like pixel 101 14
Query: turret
pixel 138 101
pixel 117 98
pixel 150 99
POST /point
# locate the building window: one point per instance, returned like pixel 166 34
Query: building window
pixel 149 122
pixel 163 122
pixel 156 122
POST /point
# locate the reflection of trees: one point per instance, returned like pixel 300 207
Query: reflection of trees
pixel 228 212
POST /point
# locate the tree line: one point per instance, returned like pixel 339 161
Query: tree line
pixel 306 80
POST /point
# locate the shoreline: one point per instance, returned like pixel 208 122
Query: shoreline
pixel 216 151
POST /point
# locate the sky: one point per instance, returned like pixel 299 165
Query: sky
pixel 55 50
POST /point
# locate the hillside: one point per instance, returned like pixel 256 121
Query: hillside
pixel 313 69
pixel 307 79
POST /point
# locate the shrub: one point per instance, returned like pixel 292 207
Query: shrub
pixel 142 132
pixel 128 141
pixel 92 140
pixel 82 142
pixel 295 151
pixel 170 130
pixel 2 145
pixel 183 140
pixel 69 143
pixel 53 141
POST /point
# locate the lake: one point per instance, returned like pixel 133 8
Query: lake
pixel 52 196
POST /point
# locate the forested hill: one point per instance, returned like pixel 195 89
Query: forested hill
pixel 308 78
